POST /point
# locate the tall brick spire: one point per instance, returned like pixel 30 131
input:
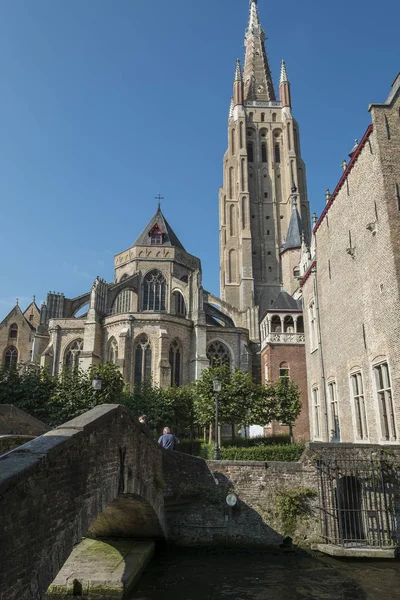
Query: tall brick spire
pixel 257 75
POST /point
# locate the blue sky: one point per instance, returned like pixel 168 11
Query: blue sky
pixel 106 103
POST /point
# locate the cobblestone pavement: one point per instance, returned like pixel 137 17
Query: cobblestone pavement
pixel 270 575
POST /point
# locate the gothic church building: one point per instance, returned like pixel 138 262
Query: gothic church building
pixel 155 319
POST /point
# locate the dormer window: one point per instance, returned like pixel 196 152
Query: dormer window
pixel 156 235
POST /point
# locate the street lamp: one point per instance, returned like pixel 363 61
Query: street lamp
pixel 97 382
pixel 217 386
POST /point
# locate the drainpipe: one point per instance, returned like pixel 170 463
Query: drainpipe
pixel 321 354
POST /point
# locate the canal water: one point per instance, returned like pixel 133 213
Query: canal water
pixel 186 574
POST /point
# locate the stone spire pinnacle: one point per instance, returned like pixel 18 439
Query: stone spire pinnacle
pixel 284 77
pixel 231 107
pixel 257 74
pixel 238 71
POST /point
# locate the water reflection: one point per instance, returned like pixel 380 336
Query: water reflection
pixel 272 575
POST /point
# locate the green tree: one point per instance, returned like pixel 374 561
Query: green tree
pixel 172 407
pixel 264 405
pixel 237 400
pixel 288 403
pixel 74 393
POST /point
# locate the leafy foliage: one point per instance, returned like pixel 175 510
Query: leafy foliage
pixel 288 404
pixel 55 400
pixel 294 504
pixel 172 407
pixel 241 401
pixel 286 453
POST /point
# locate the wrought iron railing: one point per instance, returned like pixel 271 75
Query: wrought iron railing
pixel 357 500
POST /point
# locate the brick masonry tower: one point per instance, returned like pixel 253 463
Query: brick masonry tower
pixel 262 164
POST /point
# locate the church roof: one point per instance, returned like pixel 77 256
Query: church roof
pixel 285 301
pixel 160 224
pixel 295 231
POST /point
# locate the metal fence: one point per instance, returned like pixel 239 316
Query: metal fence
pixel 357 500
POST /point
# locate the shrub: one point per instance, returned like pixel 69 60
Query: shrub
pixel 196 448
pixel 258 441
pixel 284 453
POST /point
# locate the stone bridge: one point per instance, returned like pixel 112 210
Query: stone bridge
pixel 102 475
pixel 99 473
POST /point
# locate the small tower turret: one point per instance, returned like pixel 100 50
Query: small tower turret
pixel 238 91
pixel 284 87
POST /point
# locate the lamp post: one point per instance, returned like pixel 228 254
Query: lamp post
pixel 97 383
pixel 217 385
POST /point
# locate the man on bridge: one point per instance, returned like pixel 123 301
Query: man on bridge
pixel 168 440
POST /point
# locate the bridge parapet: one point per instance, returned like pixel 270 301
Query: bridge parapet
pixel 53 489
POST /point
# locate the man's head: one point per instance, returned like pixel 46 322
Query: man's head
pixel 166 430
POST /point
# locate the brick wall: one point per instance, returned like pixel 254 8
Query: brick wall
pixel 358 249
pixel 54 487
pixel 294 355
pixel 197 512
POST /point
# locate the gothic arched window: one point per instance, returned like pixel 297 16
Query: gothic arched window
pixel 264 152
pixel 175 361
pixel 72 354
pixel 218 354
pixel 250 152
pixel 112 352
pixel 123 302
pixel 179 304
pixel 142 360
pixel 13 331
pixel 11 358
pixel 154 291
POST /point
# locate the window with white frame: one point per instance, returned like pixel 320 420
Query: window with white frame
pixel 313 325
pixel 317 412
pixel 385 402
pixel 283 370
pixel 357 387
pixel 334 412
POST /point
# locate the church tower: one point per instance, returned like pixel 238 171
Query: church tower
pixel 261 167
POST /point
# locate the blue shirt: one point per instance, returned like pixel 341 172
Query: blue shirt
pixel 168 441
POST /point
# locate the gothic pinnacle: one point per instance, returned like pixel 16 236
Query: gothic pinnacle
pixel 238 71
pixel 232 106
pixel 254 19
pixel 284 77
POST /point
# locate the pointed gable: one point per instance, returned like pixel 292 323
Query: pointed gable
pixel 158 232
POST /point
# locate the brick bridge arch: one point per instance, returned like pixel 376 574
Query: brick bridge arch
pixel 98 472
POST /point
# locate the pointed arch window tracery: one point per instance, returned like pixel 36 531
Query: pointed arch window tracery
pixel 175 361
pixel 154 292
pixel 11 358
pixel 123 303
pixel 112 353
pixel 218 354
pixel 73 353
pixel 143 358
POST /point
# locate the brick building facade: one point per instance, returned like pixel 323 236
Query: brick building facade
pixel 351 292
